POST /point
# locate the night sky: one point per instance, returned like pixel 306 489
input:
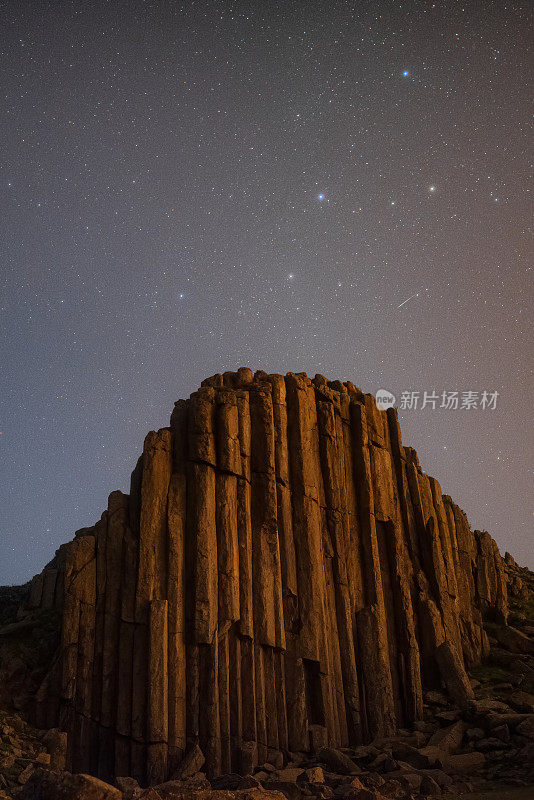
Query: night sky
pixel 332 187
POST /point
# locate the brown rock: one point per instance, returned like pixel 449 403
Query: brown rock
pixel 45 785
pixel 429 787
pixel 522 702
pixel 513 640
pixel 454 675
pixel 526 728
pixel 129 787
pixel 465 762
pixel 283 577
pixel 289 789
pixel 191 764
pixel 26 774
pixel 275 758
pixel 448 739
pixel 289 774
pixel 55 742
pixel 169 791
pixel 312 775
pixel 336 761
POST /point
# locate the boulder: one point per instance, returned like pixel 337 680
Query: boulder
pixel 129 787
pixel 288 789
pixel 435 757
pixel 502 732
pixel 522 702
pixel 336 761
pixel 436 698
pixel 513 640
pixel 312 775
pixel 474 734
pixel 448 739
pixel 429 786
pixel 419 758
pixel 48 785
pixel 289 774
pixel 526 728
pixel 56 742
pixel 191 764
pixel 465 763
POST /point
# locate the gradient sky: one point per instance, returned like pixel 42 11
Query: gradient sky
pixel 189 188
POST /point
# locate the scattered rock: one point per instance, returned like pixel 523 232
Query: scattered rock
pixel 429 786
pixel 47 785
pixel 465 762
pixel 522 702
pixel 129 787
pixel 56 742
pixel 448 739
pixel 312 775
pixel 336 761
pixel 289 774
pixel 473 734
pixel 26 774
pixel 513 640
pixel 192 763
pixel 526 728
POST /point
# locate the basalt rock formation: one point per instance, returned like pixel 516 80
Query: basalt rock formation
pixel 282 576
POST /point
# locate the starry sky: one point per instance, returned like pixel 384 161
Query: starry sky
pixel 332 187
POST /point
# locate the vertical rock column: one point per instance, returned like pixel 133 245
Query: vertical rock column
pixel 337 529
pixel 151 585
pixel 228 470
pixel 307 495
pixel 266 569
pixel 290 687
pixel 77 644
pixel 370 621
pixel 125 643
pixel 202 555
pixel 176 588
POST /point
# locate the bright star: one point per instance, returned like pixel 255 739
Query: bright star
pixel 320 196
pixel 181 296
pixel 290 275
pixel 405 73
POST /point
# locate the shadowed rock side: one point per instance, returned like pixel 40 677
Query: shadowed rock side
pixel 282 576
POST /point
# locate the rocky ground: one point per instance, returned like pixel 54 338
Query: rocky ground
pixel 483 751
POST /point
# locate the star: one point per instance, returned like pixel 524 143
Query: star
pixel 405 73
pixel 431 188
pixel 320 196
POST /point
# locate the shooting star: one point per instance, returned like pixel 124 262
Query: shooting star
pixel 410 298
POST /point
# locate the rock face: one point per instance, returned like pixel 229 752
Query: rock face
pixel 282 577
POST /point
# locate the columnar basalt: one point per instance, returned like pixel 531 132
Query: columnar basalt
pixel 281 576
